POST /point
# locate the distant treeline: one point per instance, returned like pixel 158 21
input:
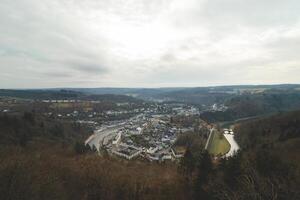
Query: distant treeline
pixel 220 94
pixel 64 94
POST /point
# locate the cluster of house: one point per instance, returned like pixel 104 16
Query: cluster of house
pixel 149 134
pixel 219 107
pixel 130 152
pixel 127 151
pixel 117 111
pixel 185 110
pixel 61 101
pixel 157 138
pixel 120 112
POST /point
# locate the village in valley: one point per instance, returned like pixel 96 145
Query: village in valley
pixel 137 130
pixel 148 135
pixel 153 135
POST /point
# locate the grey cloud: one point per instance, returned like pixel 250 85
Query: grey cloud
pixel 55 42
pixel 236 13
pixel 43 43
pixel 57 74
pixel 91 68
pixel 254 12
pixel 169 57
pixel 284 48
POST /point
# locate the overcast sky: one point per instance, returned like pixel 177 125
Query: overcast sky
pixel 148 43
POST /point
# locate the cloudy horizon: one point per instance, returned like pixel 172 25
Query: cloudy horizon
pixel 141 43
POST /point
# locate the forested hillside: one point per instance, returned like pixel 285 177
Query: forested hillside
pixel 249 105
pixel 41 161
pixel 46 159
pixel 27 128
pixel 281 133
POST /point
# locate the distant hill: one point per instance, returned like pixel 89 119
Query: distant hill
pixel 220 94
pixel 40 94
pixel 195 95
pixel 64 94
pixel 138 92
pixel 199 96
pixel 249 105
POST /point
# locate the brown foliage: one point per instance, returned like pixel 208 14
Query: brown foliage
pixel 56 174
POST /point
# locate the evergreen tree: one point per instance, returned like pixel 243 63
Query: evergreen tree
pixel 233 169
pixel 187 163
pixel 204 168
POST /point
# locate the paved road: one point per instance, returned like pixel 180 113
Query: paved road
pixel 102 136
pixel 234 147
pixel 208 140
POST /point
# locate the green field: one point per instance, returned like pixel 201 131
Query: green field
pixel 218 145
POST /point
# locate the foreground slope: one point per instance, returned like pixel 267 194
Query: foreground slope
pixel 39 160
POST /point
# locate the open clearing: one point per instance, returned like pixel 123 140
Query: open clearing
pixel 218 144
